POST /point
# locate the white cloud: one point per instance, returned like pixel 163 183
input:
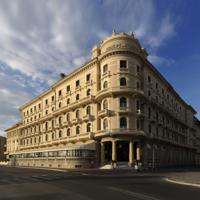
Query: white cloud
pixel 160 61
pixel 40 39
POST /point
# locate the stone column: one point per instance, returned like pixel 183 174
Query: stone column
pixel 102 154
pixel 114 153
pixel 131 153
pixel 138 152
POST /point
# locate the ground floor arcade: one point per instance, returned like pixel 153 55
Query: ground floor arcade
pixel 116 151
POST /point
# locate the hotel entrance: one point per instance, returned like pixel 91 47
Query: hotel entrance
pixel 122 151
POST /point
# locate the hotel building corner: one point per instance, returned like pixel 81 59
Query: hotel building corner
pixel 117 108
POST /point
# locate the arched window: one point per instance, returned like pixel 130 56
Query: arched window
pixel 88 92
pixel 68 117
pixel 123 81
pixel 105 68
pixel 68 101
pixel 77 97
pixel 60 134
pixel 105 84
pixel 53 136
pixel 60 120
pixel 46 125
pixel 77 130
pixel 105 124
pixel 52 123
pixel 138 69
pixel 88 127
pixel 105 104
pixel 123 102
pixel 88 110
pixel 123 122
pixel 78 114
pixel 68 132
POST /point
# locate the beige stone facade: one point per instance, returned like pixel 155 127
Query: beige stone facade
pixel 117 108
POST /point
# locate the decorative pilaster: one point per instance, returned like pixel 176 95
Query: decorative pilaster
pixel 102 154
pixel 131 153
pixel 114 153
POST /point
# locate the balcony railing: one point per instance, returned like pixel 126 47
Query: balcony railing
pixel 124 109
pixel 76 121
pixel 87 117
pixel 103 113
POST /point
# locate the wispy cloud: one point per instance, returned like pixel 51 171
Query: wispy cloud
pixel 39 39
pixel 160 61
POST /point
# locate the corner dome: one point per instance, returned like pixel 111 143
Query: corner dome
pixel 122 41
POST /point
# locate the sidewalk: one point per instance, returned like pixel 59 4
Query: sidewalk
pixel 186 178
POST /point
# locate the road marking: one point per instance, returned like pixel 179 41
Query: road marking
pixel 133 194
pixel 182 183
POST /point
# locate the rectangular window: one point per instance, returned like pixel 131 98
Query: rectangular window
pixel 88 76
pixel 149 128
pixel 52 98
pixel 138 68
pixel 77 83
pixel 46 101
pixel 59 92
pixel 156 85
pixel 105 68
pixel 123 64
pixel 39 105
pixel 149 79
pixel 68 88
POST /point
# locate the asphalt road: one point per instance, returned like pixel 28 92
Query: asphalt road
pixel 31 184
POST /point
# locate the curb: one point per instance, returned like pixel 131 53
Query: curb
pixel 182 183
pixel 43 168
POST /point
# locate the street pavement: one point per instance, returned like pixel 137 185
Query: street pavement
pixel 192 178
pixel 31 184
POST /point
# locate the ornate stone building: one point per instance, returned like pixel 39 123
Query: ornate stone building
pixel 115 108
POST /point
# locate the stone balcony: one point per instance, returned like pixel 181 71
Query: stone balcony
pixel 118 90
pixel 87 118
pixel 124 110
pixel 104 113
pixel 119 132
pixel 76 121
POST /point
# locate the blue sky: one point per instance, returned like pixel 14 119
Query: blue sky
pixel 41 38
